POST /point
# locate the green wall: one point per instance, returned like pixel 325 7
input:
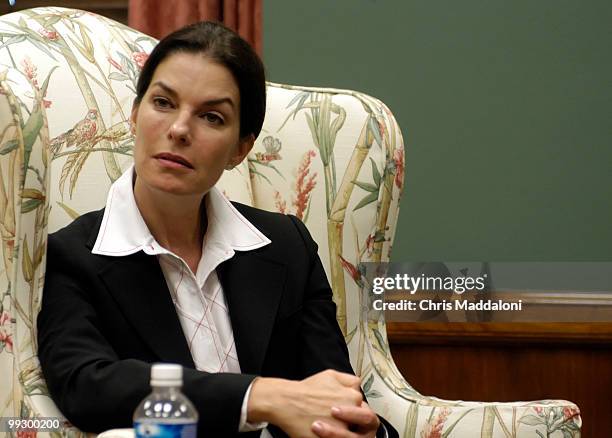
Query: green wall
pixel 505 108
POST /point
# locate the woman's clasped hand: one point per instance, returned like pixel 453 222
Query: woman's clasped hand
pixel 328 404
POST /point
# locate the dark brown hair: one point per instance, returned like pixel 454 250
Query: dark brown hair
pixel 225 47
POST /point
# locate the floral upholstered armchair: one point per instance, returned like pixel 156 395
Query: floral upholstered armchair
pixel 334 158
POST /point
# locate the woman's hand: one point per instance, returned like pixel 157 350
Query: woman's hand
pixel 362 420
pixel 295 406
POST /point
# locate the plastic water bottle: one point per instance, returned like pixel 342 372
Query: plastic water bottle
pixel 166 412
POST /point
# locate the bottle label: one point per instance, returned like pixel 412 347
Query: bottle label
pixel 160 430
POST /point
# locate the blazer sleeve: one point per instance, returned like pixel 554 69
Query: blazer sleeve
pixel 323 345
pixel 321 341
pixel 94 387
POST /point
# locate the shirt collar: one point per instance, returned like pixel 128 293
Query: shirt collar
pixel 124 231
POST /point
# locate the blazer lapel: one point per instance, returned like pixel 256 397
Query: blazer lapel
pixel 138 285
pixel 253 287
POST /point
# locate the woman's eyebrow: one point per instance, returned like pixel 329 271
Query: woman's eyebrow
pixel 218 101
pixel 210 102
pixel 165 87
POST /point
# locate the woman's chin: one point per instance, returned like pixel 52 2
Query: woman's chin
pixel 170 183
pixel 178 190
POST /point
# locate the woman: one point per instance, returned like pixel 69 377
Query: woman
pixel 170 271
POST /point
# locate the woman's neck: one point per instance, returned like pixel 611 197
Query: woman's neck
pixel 177 223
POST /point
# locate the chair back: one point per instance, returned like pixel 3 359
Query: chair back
pixel 334 158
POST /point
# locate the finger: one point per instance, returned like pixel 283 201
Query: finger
pixel 348 380
pixel 362 418
pixel 325 430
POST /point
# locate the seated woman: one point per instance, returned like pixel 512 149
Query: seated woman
pixel 170 271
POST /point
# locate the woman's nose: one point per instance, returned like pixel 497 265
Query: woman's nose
pixel 179 130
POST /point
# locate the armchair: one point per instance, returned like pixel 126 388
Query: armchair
pixel 334 158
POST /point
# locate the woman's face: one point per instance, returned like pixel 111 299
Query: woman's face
pixel 187 126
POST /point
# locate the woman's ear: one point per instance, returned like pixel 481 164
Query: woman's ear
pixel 133 117
pixel 245 144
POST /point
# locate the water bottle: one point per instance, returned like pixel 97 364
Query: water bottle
pixel 166 412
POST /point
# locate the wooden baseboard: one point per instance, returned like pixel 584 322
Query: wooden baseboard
pixel 509 362
pixel 435 333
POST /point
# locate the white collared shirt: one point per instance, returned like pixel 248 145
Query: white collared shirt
pixel 198 298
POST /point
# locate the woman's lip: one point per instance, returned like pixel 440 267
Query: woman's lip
pixel 174 161
pixel 171 164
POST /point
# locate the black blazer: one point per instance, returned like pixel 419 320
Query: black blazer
pixel 105 320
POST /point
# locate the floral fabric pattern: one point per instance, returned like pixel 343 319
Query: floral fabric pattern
pixel 334 158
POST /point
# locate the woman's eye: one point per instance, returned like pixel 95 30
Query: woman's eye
pixel 212 118
pixel 161 102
